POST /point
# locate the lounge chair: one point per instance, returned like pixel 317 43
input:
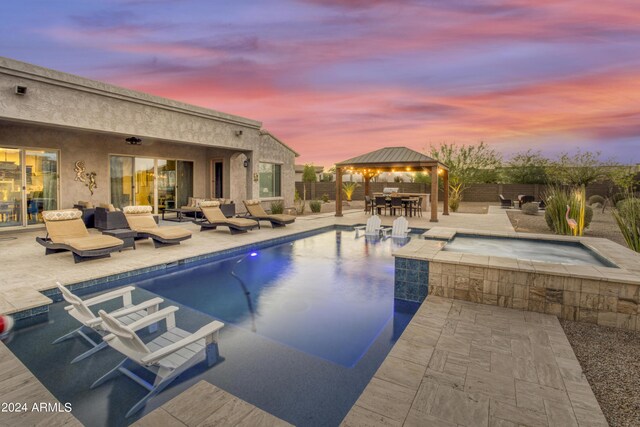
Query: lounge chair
pixel 141 221
pixel 400 229
pixel 81 311
pixel 167 356
pixel 257 213
pixel 373 227
pixel 505 203
pixel 66 232
pixel 214 218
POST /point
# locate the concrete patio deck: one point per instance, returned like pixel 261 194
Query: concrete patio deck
pixel 457 363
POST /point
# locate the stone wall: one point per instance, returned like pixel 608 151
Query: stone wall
pixel 595 301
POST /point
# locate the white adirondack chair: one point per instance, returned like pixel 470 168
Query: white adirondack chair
pixel 79 310
pixel 373 227
pixel 400 229
pixel 167 356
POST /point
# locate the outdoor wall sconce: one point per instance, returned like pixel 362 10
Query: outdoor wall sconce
pixel 238 133
pixel 21 90
pixel 134 141
pixel 246 163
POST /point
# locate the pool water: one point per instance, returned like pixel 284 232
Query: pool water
pixel 318 321
pixel 555 252
pixel 325 295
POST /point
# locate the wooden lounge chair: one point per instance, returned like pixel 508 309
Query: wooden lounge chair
pixel 400 229
pixel 167 356
pixel 141 221
pixel 81 311
pixel 256 212
pixel 373 227
pixel 66 232
pixel 214 218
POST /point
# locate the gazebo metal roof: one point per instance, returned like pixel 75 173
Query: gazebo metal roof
pixel 390 157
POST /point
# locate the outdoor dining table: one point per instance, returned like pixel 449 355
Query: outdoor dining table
pixel 408 205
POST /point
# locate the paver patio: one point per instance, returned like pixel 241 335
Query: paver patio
pixel 457 363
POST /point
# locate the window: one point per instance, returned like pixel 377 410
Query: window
pixel 269 180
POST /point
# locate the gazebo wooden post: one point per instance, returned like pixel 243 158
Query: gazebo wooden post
pixel 367 179
pixel 338 191
pixel 445 184
pixel 434 194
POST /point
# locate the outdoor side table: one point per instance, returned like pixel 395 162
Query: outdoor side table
pixel 124 234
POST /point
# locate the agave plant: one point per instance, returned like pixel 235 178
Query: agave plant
pixel 348 188
pixel 627 215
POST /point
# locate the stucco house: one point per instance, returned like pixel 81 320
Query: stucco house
pixel 64 138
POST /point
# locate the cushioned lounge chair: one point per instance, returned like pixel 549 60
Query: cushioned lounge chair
pixel 214 217
pixel 256 212
pixel 81 311
pixel 167 356
pixel 505 203
pixel 373 227
pixel 66 232
pixel 142 222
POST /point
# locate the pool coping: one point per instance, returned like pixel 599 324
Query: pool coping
pixel 430 249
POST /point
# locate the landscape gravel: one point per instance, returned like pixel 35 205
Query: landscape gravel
pixel 610 359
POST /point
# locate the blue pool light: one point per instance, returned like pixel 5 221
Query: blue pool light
pixel 253 254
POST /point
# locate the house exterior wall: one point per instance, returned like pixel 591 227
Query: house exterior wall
pixel 89 120
pixel 94 150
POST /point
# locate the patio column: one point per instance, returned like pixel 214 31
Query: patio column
pixel 338 191
pixel 434 194
pixel 445 185
pixel 367 179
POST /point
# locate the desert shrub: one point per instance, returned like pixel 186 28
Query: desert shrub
pixel 557 199
pixel 454 201
pixel 627 215
pixel 596 199
pixel 277 207
pixel 315 206
pixel 299 203
pixel 617 198
pixel 325 198
pixel 530 209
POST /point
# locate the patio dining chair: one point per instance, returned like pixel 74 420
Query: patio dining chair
pixel 380 203
pixel 396 204
pixel 81 311
pixel 167 356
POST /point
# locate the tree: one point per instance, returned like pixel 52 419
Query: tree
pixel 578 170
pixel 467 164
pixel 308 175
pixel 422 178
pixel 527 167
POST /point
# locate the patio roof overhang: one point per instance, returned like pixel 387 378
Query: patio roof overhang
pixel 394 159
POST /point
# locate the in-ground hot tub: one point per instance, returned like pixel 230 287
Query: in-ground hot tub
pixel 549 251
pixel 577 278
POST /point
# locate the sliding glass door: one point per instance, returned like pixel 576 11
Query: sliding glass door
pixel 161 183
pixel 28 185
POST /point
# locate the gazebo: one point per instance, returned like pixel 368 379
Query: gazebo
pixel 395 159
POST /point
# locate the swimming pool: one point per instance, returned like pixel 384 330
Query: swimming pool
pixel 549 251
pixel 323 313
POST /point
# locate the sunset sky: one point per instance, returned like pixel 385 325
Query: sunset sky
pixel 336 78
